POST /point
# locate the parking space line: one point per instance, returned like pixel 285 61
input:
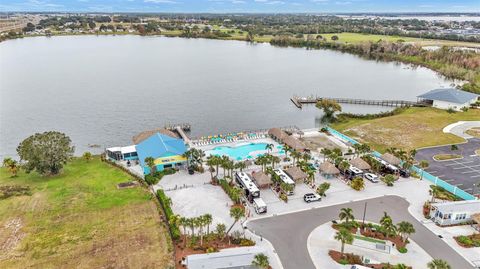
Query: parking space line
pixel 458 168
pixel 448 180
pixel 468 172
pixel 475 176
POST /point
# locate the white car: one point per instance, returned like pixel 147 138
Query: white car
pixel 311 197
pixel 371 177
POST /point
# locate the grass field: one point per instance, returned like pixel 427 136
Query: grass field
pixel 413 128
pixel 80 219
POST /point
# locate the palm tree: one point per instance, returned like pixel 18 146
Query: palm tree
pixel 150 162
pixel 322 188
pixel 208 221
pixel 438 264
pixel 211 163
pixel 220 230
pixel 344 236
pixel 433 192
pixel 11 165
pixel 287 149
pixel 405 228
pixel 269 148
pixel 423 164
pixel 295 156
pixel 343 165
pixel 201 223
pixel 357 184
pixel 184 223
pixel 325 152
pixel 261 260
pixel 236 193
pixel 387 224
pixel 241 165
pixel 236 213
pixel 346 214
pixel 275 160
pixel 87 156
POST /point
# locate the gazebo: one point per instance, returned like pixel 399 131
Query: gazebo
pixel 391 159
pixel 263 180
pixel 328 170
pixel 296 173
pixel 360 164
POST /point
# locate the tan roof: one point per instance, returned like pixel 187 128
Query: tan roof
pixel 262 179
pixel 294 143
pixel 329 168
pixel 476 218
pixel 146 134
pixel 360 164
pixel 388 157
pixel 277 133
pixel 296 173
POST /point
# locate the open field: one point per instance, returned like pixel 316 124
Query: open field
pixel 413 128
pixel 80 219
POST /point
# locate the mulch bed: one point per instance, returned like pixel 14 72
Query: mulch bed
pixel 397 240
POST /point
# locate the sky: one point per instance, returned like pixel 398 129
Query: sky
pixel 233 6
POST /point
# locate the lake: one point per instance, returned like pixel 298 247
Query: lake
pixel 105 89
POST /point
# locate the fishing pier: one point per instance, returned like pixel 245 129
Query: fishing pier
pixel 300 101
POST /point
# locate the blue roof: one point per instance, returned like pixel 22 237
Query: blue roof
pixel 450 95
pixel 160 145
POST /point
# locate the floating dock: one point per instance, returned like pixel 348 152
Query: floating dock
pixel 300 101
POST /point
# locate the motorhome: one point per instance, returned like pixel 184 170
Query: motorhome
pixel 247 184
pixel 285 179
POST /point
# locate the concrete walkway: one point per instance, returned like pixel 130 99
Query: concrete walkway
pixel 460 127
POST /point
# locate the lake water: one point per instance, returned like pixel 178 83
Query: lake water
pixel 105 89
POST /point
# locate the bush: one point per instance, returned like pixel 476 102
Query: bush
pixel 165 203
pixel 229 190
pixel 402 250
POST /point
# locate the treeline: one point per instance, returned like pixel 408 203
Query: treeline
pixel 450 62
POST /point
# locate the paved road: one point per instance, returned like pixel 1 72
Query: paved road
pixel 289 233
pixel 462 173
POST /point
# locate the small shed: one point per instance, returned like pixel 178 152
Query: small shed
pixel 296 173
pixel 277 134
pixel 263 180
pixel 360 164
pixel 328 170
pixel 391 159
pixel 294 143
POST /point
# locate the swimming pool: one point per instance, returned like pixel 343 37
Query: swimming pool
pixel 240 152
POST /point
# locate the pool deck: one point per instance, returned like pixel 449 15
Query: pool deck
pixel 238 143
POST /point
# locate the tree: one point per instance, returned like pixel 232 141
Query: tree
pixel 453 147
pixel 208 221
pixel 250 37
pixel 344 236
pixel 150 162
pixel 423 164
pixel 329 107
pixel 346 214
pixel 357 184
pixel 45 153
pixel 334 37
pixel 322 188
pixel 236 213
pixel 438 264
pixel 87 156
pixel 11 165
pixel 261 260
pixel 269 148
pixel 389 179
pixel 92 25
pixel 405 228
pixel 184 222
pixel 220 230
pixel 387 224
pixel 241 166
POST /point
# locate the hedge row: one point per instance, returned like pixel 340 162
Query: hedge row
pixel 165 203
pixel 228 190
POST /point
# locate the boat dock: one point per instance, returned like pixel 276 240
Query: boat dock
pixel 180 129
pixel 300 101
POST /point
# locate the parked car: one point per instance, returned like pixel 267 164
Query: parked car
pixel 371 177
pixel 311 197
pixel 404 173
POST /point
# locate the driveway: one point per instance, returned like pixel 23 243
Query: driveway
pixel 462 173
pixel 289 233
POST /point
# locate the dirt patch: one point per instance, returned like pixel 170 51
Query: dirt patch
pixel 7 191
pixel 10 237
pixel 315 142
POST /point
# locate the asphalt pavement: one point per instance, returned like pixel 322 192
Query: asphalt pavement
pixel 289 233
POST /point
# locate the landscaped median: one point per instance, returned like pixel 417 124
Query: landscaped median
pixel 447 157
pixel 468 241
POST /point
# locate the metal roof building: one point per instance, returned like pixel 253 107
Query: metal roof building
pixel 231 258
pixel 451 213
pixel 449 98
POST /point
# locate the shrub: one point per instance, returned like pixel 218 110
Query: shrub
pixel 402 250
pixel 247 242
pixel 232 192
pixel 165 203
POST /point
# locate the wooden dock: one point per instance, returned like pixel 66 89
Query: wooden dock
pixel 300 101
pixel 180 129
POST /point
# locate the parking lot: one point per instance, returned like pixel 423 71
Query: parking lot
pixel 463 173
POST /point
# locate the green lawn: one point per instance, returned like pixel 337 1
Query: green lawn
pixel 413 128
pixel 80 219
pixel 369 239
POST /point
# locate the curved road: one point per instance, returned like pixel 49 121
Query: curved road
pixel 288 233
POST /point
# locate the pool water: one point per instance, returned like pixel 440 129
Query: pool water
pixel 240 152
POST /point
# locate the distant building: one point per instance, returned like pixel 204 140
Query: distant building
pixel 451 213
pixel 166 150
pixel 231 258
pixel 449 98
